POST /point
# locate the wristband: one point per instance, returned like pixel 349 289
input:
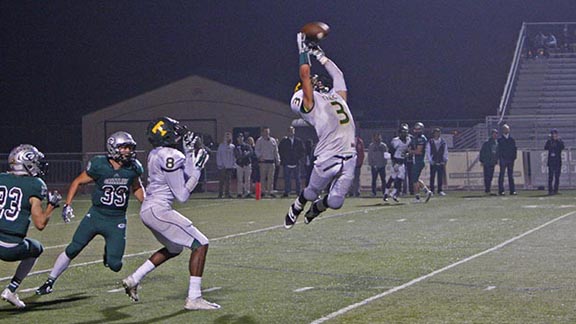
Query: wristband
pixel 304 58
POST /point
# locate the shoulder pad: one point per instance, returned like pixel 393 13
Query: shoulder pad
pixel 171 158
pixel 95 163
pixel 138 167
pixel 41 188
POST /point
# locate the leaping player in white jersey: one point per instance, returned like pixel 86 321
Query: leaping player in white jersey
pixel 172 175
pixel 327 111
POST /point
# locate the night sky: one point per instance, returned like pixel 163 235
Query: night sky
pixel 432 59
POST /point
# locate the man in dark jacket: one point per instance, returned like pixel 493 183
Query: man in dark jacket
pixel 554 146
pixel 507 155
pixel 489 159
pixel 291 150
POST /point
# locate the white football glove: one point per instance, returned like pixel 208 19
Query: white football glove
pixel 319 54
pixel 200 158
pixel 67 213
pixel 54 198
pixel 188 142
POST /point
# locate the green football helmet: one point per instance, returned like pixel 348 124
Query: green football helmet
pixel 165 131
pixel 26 159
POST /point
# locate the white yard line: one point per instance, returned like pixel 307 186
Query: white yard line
pixel 433 273
pixel 213 239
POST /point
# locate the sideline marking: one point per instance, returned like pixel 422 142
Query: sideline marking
pixel 433 273
pixel 266 229
pixel 490 288
pixel 303 289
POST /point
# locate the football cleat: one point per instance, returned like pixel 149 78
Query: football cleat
pixel 12 298
pixel 385 198
pixel 200 304
pixel 395 197
pixel 131 288
pixel 291 217
pixel 310 215
pixel 46 288
pixel 429 195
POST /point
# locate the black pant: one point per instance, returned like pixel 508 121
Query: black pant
pixel 506 166
pixel 436 169
pixel 488 175
pixel 378 171
pixel 554 174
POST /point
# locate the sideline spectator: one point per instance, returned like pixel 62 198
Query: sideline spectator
pixel 309 159
pixel 507 153
pixel 291 151
pixel 267 153
pixel 489 159
pixel 377 162
pixel 253 160
pixel 243 154
pixel 409 181
pixel 437 156
pixel 226 163
pixel 355 188
pixel 554 146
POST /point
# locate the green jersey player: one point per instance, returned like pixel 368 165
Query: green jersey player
pixel 114 175
pixel 21 194
pixel 418 150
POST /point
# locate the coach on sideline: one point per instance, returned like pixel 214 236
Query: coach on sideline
pixel 507 153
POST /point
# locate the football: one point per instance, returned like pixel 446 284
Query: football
pixel 315 30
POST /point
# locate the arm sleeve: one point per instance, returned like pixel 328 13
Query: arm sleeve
pixel 339 84
pixel 178 185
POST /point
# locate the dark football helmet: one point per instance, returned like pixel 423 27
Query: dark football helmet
pixel 165 131
pixel 25 159
pixel 118 140
pixel 320 83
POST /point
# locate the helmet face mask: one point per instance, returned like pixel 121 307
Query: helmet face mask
pixel 26 159
pixel 121 147
pixel 165 131
pixel 403 131
pixel 321 83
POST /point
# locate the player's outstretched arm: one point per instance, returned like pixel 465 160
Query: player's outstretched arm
pixel 304 60
pixel 39 216
pixel 339 84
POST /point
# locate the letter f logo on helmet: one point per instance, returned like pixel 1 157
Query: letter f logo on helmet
pixel 158 127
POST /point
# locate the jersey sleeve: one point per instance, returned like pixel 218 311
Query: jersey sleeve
pixel 94 166
pixel 39 189
pixel 171 159
pixel 297 103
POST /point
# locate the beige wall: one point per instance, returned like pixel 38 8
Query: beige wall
pixel 202 104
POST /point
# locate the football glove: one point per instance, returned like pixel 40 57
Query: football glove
pixel 189 141
pixel 54 198
pixel 303 49
pixel 67 213
pixel 319 54
pixel 199 158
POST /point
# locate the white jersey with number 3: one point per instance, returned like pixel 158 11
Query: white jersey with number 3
pixel 333 122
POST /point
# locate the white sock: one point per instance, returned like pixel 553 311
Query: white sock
pixel 195 290
pixel 386 191
pixel 61 264
pixel 394 192
pixel 143 270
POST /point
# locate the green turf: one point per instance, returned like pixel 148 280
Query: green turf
pixel 261 273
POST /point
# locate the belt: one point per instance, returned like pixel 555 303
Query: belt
pixel 343 157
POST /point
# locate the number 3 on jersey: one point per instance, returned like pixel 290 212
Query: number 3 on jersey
pixel 344 118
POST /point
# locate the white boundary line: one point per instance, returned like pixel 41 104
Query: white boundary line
pixel 261 230
pixel 433 273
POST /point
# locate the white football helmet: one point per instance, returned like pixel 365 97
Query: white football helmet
pixel 118 140
pixel 25 159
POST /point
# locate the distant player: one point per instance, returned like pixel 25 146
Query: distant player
pixel 324 108
pixel 418 151
pixel 21 194
pixel 172 175
pixel 398 152
pixel 114 175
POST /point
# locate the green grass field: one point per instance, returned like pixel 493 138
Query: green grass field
pixel 463 258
